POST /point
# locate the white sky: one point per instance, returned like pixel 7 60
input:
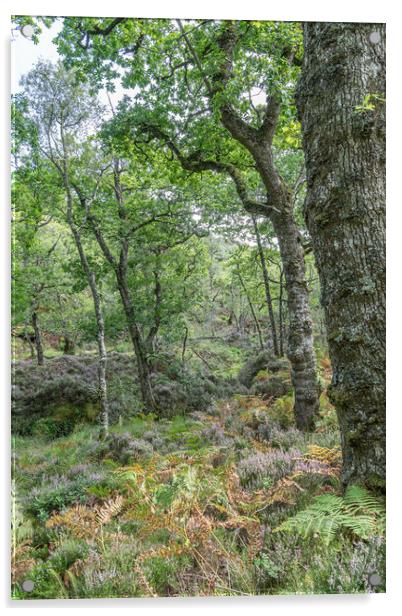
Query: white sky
pixel 25 54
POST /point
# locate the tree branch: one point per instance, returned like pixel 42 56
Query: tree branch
pixel 195 163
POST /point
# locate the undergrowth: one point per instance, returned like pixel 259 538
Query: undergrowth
pixel 232 501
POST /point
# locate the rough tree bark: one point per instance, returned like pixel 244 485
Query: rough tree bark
pixel 38 338
pixel 341 105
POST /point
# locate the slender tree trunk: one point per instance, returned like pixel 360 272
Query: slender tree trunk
pixel 341 104
pixel 120 269
pixel 90 275
pixel 281 314
pixel 250 303
pixel 102 361
pixel 267 287
pixel 144 369
pixel 103 400
pixel 157 317
pixel 68 343
pixel 300 349
pixel 38 338
pixel 184 345
pixel 27 338
pixel 279 209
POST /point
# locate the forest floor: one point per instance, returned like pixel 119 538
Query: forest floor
pixel 233 501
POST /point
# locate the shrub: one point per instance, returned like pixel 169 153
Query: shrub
pixel 51 428
pixel 292 438
pixel 216 435
pixel 66 554
pixel 121 448
pixel 311 567
pixel 282 411
pixel 274 387
pixel 265 469
pixel 59 491
pixel 155 439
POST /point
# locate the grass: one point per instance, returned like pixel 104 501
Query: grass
pixel 180 520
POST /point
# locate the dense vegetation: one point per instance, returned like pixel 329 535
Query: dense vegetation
pixel 174 427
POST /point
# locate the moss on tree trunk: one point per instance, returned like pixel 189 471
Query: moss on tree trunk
pixel 341 104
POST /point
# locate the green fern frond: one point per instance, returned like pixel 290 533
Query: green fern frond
pixel 358 512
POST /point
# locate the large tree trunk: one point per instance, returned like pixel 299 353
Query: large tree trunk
pixel 38 338
pixel 341 104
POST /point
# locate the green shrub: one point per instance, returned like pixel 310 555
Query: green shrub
pixel 282 411
pixel 50 428
pixel 121 448
pixel 59 492
pixel 66 554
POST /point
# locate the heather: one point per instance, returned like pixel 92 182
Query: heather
pixel 194 504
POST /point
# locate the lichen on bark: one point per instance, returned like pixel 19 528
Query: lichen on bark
pixel 344 145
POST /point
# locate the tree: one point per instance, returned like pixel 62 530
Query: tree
pixel 341 104
pixel 192 83
pixel 34 241
pixel 145 220
pixel 233 42
pixel 61 112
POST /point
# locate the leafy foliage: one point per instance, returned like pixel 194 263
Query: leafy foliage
pixel 357 511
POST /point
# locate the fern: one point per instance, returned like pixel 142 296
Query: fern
pixel 358 511
pixel 109 510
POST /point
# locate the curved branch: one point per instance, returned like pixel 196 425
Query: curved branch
pixel 195 163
